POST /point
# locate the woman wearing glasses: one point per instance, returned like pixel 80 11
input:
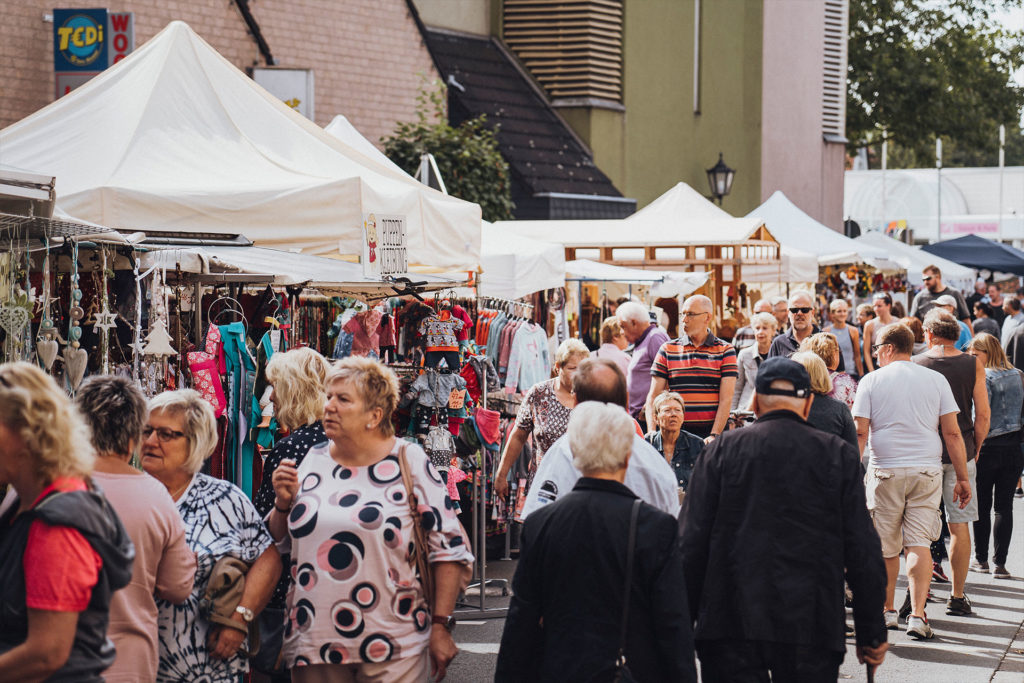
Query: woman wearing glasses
pixel 219 521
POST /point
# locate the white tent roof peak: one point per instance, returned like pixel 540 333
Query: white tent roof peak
pixel 681 199
pixel 176 138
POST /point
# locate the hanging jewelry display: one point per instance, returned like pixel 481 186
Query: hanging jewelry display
pixel 75 357
pixel 46 339
pixel 137 344
pixel 105 320
pixel 15 311
pixel 158 342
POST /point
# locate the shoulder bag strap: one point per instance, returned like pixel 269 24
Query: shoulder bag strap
pixel 420 551
pixel 620 661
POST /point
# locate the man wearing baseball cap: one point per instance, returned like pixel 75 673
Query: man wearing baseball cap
pixel 948 304
pixel 787 499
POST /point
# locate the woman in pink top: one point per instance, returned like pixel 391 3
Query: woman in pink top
pixel 164 565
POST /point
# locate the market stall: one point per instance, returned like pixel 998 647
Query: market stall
pixel 680 230
pixel 977 252
pixel 175 138
pixel 914 260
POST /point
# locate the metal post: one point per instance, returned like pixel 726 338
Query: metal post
pixel 885 164
pixel 938 174
pixel 1002 163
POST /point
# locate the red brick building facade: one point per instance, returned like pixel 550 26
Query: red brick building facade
pixel 368 56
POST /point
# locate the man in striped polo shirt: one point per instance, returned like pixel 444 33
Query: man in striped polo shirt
pixel 701 367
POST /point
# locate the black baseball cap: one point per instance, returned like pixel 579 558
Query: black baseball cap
pixel 784 369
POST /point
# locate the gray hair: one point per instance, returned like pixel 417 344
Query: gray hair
pixel 600 437
pixel 763 303
pixel 701 299
pixel 940 323
pixel 632 310
pixel 115 410
pixel 766 319
pixel 801 293
pixel 200 424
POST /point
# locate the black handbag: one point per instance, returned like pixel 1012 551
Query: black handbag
pixel 622 672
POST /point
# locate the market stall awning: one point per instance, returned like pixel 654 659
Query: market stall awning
pixel 794 228
pixel 978 252
pixel 915 260
pixel 515 266
pixel 680 217
pixel 175 138
pixel 795 265
pixel 282 268
pixel 663 283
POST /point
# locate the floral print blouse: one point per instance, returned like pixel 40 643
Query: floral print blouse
pixel 544 415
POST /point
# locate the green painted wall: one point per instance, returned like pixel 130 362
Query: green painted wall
pixel 665 140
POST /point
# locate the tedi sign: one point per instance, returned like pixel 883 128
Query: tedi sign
pixel 87 41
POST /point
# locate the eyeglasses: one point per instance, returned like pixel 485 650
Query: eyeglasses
pixel 799 309
pixel 691 314
pixel 875 347
pixel 162 433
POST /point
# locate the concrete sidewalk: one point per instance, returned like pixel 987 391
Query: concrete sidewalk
pixel 987 646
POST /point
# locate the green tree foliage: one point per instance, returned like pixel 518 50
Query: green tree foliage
pixel 467 155
pixel 921 69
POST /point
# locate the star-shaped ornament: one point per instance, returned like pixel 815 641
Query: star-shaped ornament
pixel 105 320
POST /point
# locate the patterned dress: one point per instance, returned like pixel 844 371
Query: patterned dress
pixel 544 415
pixel 219 521
pixel 844 388
pixel 355 596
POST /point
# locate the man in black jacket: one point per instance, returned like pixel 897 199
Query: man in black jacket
pixel 565 619
pixel 774 514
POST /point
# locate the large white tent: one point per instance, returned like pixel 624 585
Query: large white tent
pixel 513 266
pixel 915 260
pixel 797 231
pixel 679 217
pixel 175 138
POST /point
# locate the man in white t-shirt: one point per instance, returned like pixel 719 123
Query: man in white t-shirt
pixel 900 410
pixel 648 474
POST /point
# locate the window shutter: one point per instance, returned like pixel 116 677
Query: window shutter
pixel 833 96
pixel 572 47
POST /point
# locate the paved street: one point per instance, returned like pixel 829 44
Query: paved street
pixel 988 646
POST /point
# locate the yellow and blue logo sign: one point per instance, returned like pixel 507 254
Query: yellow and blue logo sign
pixel 79 39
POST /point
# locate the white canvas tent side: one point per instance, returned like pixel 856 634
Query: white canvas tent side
pixel 513 266
pixel 915 260
pixel 175 138
pixel 796 230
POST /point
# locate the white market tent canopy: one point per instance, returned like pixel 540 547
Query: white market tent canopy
pixel 513 266
pixel 175 138
pixel 665 283
pixel 680 217
pixel 795 230
pixel 915 260
pixel 329 276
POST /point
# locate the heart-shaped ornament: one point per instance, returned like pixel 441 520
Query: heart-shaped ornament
pixel 13 319
pixel 46 349
pixel 74 365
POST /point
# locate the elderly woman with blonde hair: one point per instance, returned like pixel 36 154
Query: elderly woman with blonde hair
pixel 679 447
pixel 844 386
pixel 544 412
pixel 297 378
pixel 749 359
pixel 827 414
pixel 63 551
pixel 354 516
pixel 220 521
pixel 564 623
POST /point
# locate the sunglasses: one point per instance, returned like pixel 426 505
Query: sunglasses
pixel 927 278
pixel 800 309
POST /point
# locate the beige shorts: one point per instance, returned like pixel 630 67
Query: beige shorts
pixel 904 505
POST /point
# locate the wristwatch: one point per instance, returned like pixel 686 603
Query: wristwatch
pixel 246 613
pixel 448 622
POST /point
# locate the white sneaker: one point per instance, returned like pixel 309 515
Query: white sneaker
pixel 892 619
pixel 918 628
